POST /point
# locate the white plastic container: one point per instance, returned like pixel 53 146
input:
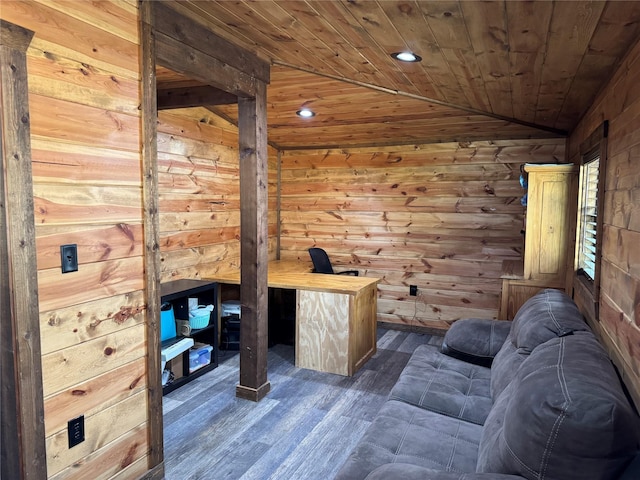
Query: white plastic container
pixel 230 307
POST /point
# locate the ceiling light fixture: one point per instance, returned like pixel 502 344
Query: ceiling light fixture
pixel 305 113
pixel 406 57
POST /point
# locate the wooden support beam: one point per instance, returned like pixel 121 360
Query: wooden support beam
pixel 278 205
pixel 171 54
pixel 151 223
pixel 193 51
pixel 187 32
pixel 252 127
pixel 21 396
pixel 198 57
pixel 205 95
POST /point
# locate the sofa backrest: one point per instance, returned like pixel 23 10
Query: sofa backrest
pixel 548 314
pixel 563 416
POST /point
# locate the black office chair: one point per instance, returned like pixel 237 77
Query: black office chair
pixel 322 264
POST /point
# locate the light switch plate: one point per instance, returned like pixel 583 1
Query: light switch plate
pixel 69 258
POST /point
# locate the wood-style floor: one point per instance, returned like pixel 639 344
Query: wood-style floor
pixel 304 428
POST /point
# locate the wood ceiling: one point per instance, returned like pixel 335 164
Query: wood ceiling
pixel 490 69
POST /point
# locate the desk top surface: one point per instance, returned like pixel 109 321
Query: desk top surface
pixel 297 275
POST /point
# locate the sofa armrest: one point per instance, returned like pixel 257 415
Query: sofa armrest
pixel 406 471
pixel 475 340
pixel 632 471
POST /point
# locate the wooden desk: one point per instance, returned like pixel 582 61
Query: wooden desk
pixel 335 315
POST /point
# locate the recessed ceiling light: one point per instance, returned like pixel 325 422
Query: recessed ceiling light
pixel 305 113
pixel 406 57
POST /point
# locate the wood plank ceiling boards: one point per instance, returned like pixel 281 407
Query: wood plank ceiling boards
pixel 491 69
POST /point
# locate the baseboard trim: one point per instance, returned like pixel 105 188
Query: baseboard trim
pixel 413 328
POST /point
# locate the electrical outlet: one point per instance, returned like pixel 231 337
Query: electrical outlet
pixel 75 431
pixel 69 258
pixel 413 290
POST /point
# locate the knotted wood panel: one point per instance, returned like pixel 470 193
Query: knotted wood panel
pixel 440 216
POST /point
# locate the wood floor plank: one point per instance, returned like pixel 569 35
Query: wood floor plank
pixel 200 452
pixel 283 448
pixel 386 338
pixel 233 460
pixel 323 451
pixel 303 429
pixel 412 341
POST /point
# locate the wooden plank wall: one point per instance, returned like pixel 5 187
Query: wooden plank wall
pixel 84 98
pixel 198 165
pixel 439 216
pixel 619 319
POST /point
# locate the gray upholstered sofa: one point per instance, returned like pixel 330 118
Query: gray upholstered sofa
pixel 550 406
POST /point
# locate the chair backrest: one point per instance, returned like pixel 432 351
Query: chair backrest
pixel 320 259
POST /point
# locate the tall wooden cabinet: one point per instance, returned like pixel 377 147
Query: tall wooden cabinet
pixel 549 235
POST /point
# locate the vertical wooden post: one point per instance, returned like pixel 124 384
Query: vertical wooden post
pixel 23 445
pixel 191 50
pixel 252 125
pixel 151 224
pixel 278 204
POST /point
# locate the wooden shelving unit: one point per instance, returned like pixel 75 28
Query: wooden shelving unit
pixel 178 293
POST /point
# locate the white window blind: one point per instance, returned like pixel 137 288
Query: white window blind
pixel 588 218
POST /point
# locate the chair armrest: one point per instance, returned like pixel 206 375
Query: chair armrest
pixel 348 272
pixel 475 340
pixel 405 471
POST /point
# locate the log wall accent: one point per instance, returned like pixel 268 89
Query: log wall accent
pixel 199 189
pixel 619 312
pixel 439 216
pixel 84 83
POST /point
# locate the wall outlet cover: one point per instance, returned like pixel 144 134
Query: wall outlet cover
pixel 75 431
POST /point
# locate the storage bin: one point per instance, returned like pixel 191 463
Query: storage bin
pixel 199 317
pixel 199 356
pixel 230 307
pixel 167 322
pixel 177 367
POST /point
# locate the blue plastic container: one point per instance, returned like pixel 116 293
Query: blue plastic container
pixel 167 322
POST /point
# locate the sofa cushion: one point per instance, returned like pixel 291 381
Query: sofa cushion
pixel 404 471
pixel 548 314
pixel 475 340
pixel 563 416
pixel 444 385
pixel 504 368
pixel 403 433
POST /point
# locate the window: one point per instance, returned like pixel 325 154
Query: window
pixel 588 218
pixel 593 154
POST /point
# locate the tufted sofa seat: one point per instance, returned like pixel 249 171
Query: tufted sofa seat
pixel 549 406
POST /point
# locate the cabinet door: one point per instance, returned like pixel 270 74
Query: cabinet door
pixel 548 228
pixel 322 334
pixel 514 296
